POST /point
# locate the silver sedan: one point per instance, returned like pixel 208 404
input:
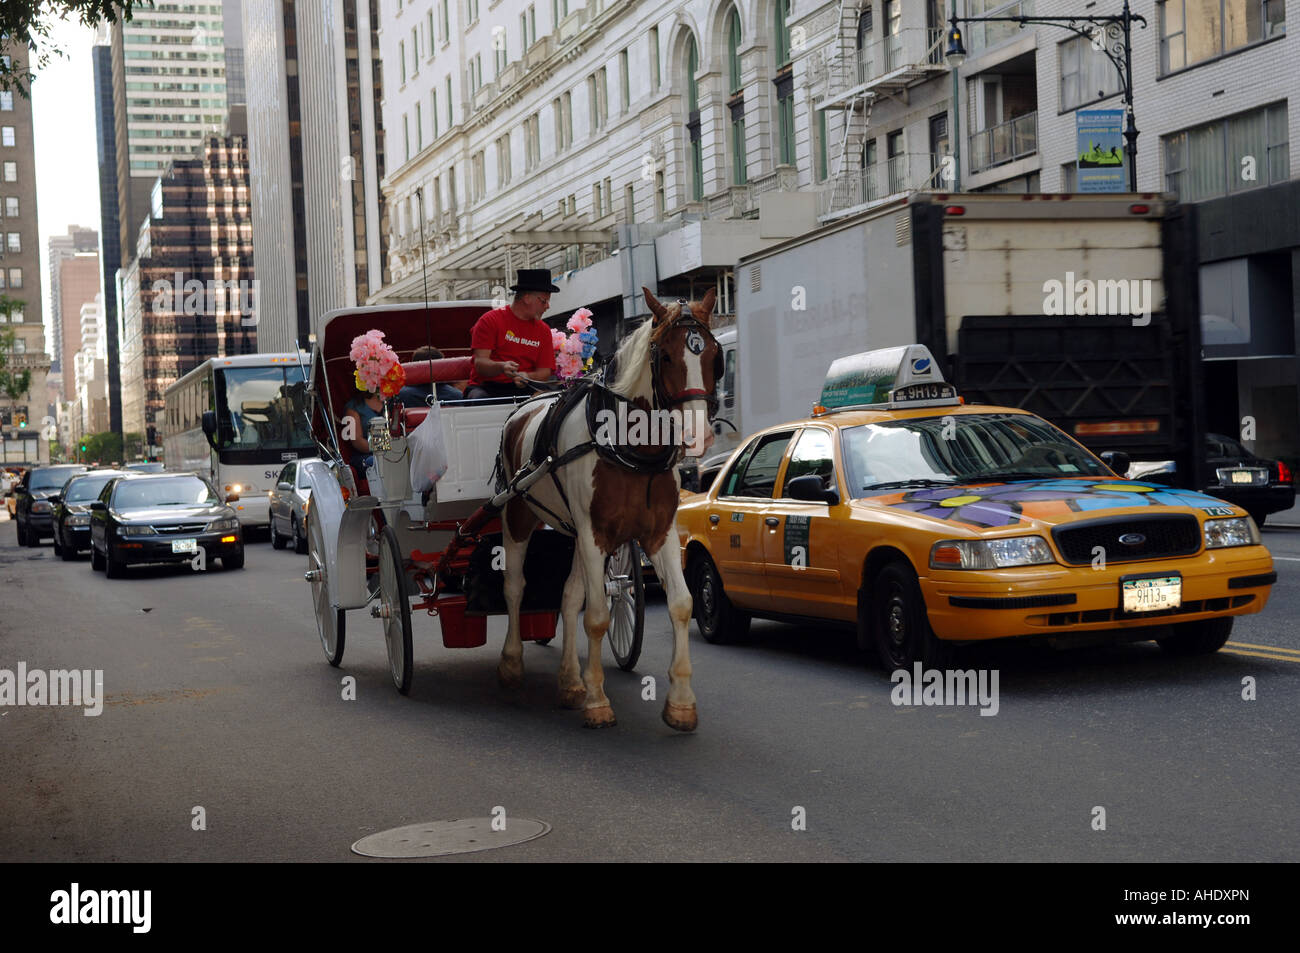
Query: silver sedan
pixel 289 507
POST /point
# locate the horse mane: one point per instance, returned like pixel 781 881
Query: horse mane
pixel 633 359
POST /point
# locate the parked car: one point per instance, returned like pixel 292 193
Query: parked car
pixel 288 506
pixel 32 508
pixel 1259 486
pixel 72 511
pixel 161 518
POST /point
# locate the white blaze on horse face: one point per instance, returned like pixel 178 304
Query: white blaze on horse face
pixel 696 431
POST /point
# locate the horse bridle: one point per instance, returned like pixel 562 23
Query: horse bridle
pixel 692 325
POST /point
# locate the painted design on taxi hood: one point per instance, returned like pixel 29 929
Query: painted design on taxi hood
pixel 1051 500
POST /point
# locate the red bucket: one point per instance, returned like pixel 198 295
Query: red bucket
pixel 458 630
pixel 536 625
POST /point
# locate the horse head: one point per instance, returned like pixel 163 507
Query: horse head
pixel 686 364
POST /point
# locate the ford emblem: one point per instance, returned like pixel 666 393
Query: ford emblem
pixel 1132 539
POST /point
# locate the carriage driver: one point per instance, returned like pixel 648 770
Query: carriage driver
pixel 513 344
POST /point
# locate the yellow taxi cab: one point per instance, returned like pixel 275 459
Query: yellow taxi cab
pixel 927 522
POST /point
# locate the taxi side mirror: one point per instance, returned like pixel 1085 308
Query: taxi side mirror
pixel 808 488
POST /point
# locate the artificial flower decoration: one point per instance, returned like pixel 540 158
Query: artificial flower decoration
pixel 375 361
pixel 575 353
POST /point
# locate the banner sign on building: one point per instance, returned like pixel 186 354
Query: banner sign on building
pixel 1099 134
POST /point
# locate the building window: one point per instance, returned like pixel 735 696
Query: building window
pixel 430 32
pixel 503 161
pixel 11 206
pixel 6 101
pixel 478 177
pixel 739 169
pixel 624 82
pixel 1196 30
pixel 433 113
pixel 14 243
pixel 471 11
pixel 629 204
pixel 419 127
pixel 654 59
pixel 1241 152
pixel 782 32
pixel 733 52
pixel 693 120
pixel 11 171
pixel 1087 74
pixel 566 102
pixel 401 59
pixel 1070 177
pixel 15 277
pixel 415 51
pixel 785 116
pixel 447 99
pixel 821 145
pixel 596 93
pixel 528 27
pixel 500 58
pixel 451 189
pixel 532 142
pixel 7 137
pixel 446 20
pixel 595 200
pixel 559 10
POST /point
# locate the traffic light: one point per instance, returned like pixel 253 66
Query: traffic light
pixel 83 448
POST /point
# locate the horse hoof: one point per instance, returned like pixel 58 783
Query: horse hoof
pixel 573 698
pixel 602 717
pixel 510 677
pixel 680 717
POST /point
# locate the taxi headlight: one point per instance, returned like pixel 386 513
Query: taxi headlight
pixel 990 553
pixel 1238 531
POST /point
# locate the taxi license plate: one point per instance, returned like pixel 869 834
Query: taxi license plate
pixel 185 545
pixel 1152 593
pixel 1242 476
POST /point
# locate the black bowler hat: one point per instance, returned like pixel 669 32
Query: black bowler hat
pixel 534 279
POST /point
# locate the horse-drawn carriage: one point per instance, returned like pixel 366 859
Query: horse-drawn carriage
pixel 374 541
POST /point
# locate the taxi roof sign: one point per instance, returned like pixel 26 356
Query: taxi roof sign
pixel 886 378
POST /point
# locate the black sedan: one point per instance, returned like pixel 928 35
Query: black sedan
pixel 32 508
pixel 72 511
pixel 162 518
pixel 1257 485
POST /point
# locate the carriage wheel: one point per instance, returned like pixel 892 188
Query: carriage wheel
pixel 626 592
pixel 330 622
pixel 394 609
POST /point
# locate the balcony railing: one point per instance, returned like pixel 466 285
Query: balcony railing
pixel 919 46
pixel 1004 142
pixel 895 176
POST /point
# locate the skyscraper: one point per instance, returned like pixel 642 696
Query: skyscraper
pixel 74 280
pixel 110 249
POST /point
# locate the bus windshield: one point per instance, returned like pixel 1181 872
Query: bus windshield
pixel 262 408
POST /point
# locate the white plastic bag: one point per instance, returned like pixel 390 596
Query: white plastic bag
pixel 428 451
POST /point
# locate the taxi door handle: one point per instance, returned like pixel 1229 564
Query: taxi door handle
pixel 772 520
pixel 713 518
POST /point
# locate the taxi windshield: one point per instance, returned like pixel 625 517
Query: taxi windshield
pixel 965 448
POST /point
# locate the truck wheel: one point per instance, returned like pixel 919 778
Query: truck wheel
pixel 720 622
pixel 1197 638
pixel 903 633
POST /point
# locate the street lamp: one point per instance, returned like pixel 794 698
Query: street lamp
pixel 1110 34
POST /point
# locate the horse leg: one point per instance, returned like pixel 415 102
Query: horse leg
pixel 572 690
pixel 598 712
pixel 510 670
pixel 679 707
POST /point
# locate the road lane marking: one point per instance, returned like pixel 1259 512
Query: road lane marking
pixel 1271 658
pixel 1289 559
pixel 1267 648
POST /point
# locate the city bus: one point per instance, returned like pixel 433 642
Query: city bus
pixel 237 421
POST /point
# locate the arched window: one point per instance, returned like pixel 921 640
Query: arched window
pixel 736 104
pixel 693 119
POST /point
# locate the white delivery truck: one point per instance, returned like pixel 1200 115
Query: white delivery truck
pixel 1081 308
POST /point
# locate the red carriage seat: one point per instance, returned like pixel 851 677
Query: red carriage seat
pixel 446 370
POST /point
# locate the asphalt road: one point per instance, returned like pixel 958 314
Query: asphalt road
pixel 217 696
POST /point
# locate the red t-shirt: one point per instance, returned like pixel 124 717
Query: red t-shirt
pixel 511 338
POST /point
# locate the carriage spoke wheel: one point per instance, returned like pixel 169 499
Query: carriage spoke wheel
pixel 394 609
pixel 626 593
pixel 330 622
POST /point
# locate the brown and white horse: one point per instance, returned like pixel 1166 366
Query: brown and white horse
pixel 667 363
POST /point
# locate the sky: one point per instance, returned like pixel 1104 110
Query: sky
pixel 67 163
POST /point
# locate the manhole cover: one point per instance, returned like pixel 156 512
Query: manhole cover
pixel 436 838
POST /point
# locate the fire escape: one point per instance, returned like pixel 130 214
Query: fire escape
pixel 867 66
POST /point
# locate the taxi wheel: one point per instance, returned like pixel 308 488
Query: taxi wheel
pixel 903 633
pixel 1197 638
pixel 720 622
